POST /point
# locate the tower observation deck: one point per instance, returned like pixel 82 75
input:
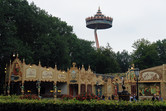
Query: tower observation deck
pixel 98 21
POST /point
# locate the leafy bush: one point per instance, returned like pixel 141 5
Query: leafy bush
pixel 16 104
pixel 29 96
pixel 66 97
pixel 87 96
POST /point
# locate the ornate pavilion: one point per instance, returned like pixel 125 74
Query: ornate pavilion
pixel 24 78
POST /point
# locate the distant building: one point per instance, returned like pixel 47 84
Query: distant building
pixel 50 82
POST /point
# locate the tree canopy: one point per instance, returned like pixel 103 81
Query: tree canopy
pixel 38 36
pixel 148 54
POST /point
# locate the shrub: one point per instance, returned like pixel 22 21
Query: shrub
pixel 29 96
pixel 66 97
pixel 9 103
pixel 87 96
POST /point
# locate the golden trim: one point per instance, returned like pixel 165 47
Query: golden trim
pixel 148 81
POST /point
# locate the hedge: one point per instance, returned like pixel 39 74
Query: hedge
pixel 16 104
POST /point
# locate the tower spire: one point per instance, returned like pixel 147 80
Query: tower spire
pixel 99 9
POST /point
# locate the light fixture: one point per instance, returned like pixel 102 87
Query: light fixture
pixel 59 91
pixel 136 71
pixel 28 91
pixel 51 91
pixel 14 55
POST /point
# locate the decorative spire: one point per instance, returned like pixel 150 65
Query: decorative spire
pixel 99 12
pixel 55 66
pixel 17 55
pixel 23 60
pixel 74 64
pixel 132 66
pixel 82 66
pixel 89 67
pixel 39 63
pixel 99 9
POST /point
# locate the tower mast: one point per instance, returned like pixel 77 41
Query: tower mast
pixel 99 21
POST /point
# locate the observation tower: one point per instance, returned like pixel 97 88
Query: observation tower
pixel 98 21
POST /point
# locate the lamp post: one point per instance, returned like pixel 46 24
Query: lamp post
pixel 55 93
pixel 97 87
pixel 136 71
pixel 38 86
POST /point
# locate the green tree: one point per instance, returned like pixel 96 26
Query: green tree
pixel 81 52
pixel 124 60
pixel 33 34
pixel 104 61
pixel 145 54
pixel 161 50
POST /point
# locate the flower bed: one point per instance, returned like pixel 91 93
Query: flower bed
pixel 66 97
pixel 87 96
pixel 29 96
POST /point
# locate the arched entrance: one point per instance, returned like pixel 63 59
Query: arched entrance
pixel 89 89
pixel 73 89
pixel 83 88
pixel 61 89
pixel 133 89
pixel 47 89
pixel 30 87
pixel 15 88
pixel 99 90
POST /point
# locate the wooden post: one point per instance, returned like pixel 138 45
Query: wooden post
pixel 68 87
pixel 86 88
pixel 8 89
pixel 79 89
pixel 38 86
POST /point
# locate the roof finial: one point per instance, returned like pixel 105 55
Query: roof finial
pixel 89 67
pixel 74 64
pixel 99 9
pixel 17 55
pixel 55 66
pixel 23 60
pixel 39 62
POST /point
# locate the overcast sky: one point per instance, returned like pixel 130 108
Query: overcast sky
pixel 132 19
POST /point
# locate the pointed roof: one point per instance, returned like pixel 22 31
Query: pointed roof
pixel 99 13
